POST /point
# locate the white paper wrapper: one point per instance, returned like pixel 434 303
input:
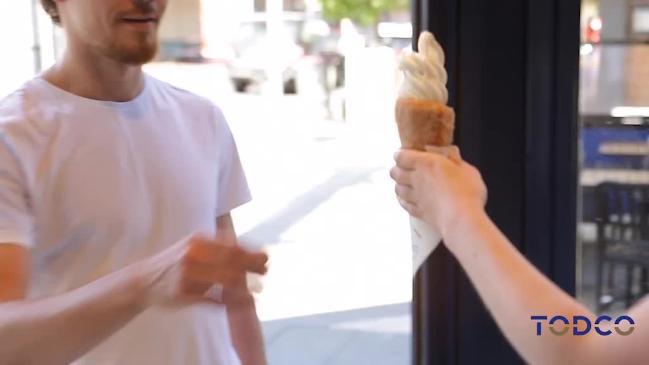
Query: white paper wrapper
pixel 424 242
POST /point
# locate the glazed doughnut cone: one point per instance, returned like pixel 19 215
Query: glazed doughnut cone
pixel 424 122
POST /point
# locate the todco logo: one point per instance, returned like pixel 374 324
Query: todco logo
pixel 581 325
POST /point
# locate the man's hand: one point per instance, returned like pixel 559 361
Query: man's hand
pixel 186 271
pixel 437 186
pixel 14 271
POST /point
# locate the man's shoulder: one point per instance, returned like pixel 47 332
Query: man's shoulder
pixel 184 97
pixel 27 110
pixel 13 107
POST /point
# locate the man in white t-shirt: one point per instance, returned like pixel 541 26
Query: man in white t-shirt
pixel 102 166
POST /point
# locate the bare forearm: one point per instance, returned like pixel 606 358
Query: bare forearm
pixel 450 195
pixel 60 329
pixel 514 290
pixel 242 314
pixel 246 332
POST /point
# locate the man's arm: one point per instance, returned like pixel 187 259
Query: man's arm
pixel 242 314
pixel 449 194
pixel 60 329
pixel 514 290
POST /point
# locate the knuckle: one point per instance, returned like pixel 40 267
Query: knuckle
pixel 229 279
pixel 396 174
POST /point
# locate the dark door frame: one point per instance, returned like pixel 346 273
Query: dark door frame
pixel 513 79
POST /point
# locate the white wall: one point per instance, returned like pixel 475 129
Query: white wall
pixel 182 21
pixel 16 38
pixel 219 23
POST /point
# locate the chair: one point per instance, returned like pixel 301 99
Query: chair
pixel 622 220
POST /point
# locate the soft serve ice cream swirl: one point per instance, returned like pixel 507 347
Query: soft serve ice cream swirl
pixel 425 76
pixel 424 80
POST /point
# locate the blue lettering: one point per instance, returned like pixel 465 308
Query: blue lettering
pixel 538 324
pixel 601 318
pixel 582 325
pixel 565 328
pixel 575 329
pixel 627 332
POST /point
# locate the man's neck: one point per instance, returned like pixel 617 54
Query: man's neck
pixel 96 77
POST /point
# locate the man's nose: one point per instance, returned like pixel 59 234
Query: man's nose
pixel 144 5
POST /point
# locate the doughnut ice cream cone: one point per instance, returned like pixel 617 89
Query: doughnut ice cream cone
pixel 424 122
pixel 423 118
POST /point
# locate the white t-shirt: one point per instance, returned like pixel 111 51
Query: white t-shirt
pixel 91 186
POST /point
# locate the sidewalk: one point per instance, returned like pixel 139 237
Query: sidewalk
pixel 339 286
pixel 370 336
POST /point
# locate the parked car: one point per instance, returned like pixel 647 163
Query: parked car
pixel 396 35
pixel 257 54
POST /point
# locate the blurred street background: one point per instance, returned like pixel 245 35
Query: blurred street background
pixel 308 88
pixel 338 290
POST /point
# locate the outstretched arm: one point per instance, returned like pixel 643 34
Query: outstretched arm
pixel 449 194
pixel 58 330
pixel 242 313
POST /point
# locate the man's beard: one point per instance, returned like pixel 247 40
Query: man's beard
pixel 144 52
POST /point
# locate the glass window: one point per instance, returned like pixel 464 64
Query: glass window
pixel 640 20
pixel 613 253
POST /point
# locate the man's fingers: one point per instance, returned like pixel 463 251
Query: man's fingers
pixel 405 193
pixel 189 286
pixel 256 262
pixel 401 176
pixel 219 257
pixel 411 208
pixel 200 273
pixel 245 260
pixel 238 258
pixel 203 251
pixel 407 159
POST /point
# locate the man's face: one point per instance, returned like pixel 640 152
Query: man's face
pixel 123 30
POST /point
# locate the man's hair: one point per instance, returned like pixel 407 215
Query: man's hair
pixel 51 10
